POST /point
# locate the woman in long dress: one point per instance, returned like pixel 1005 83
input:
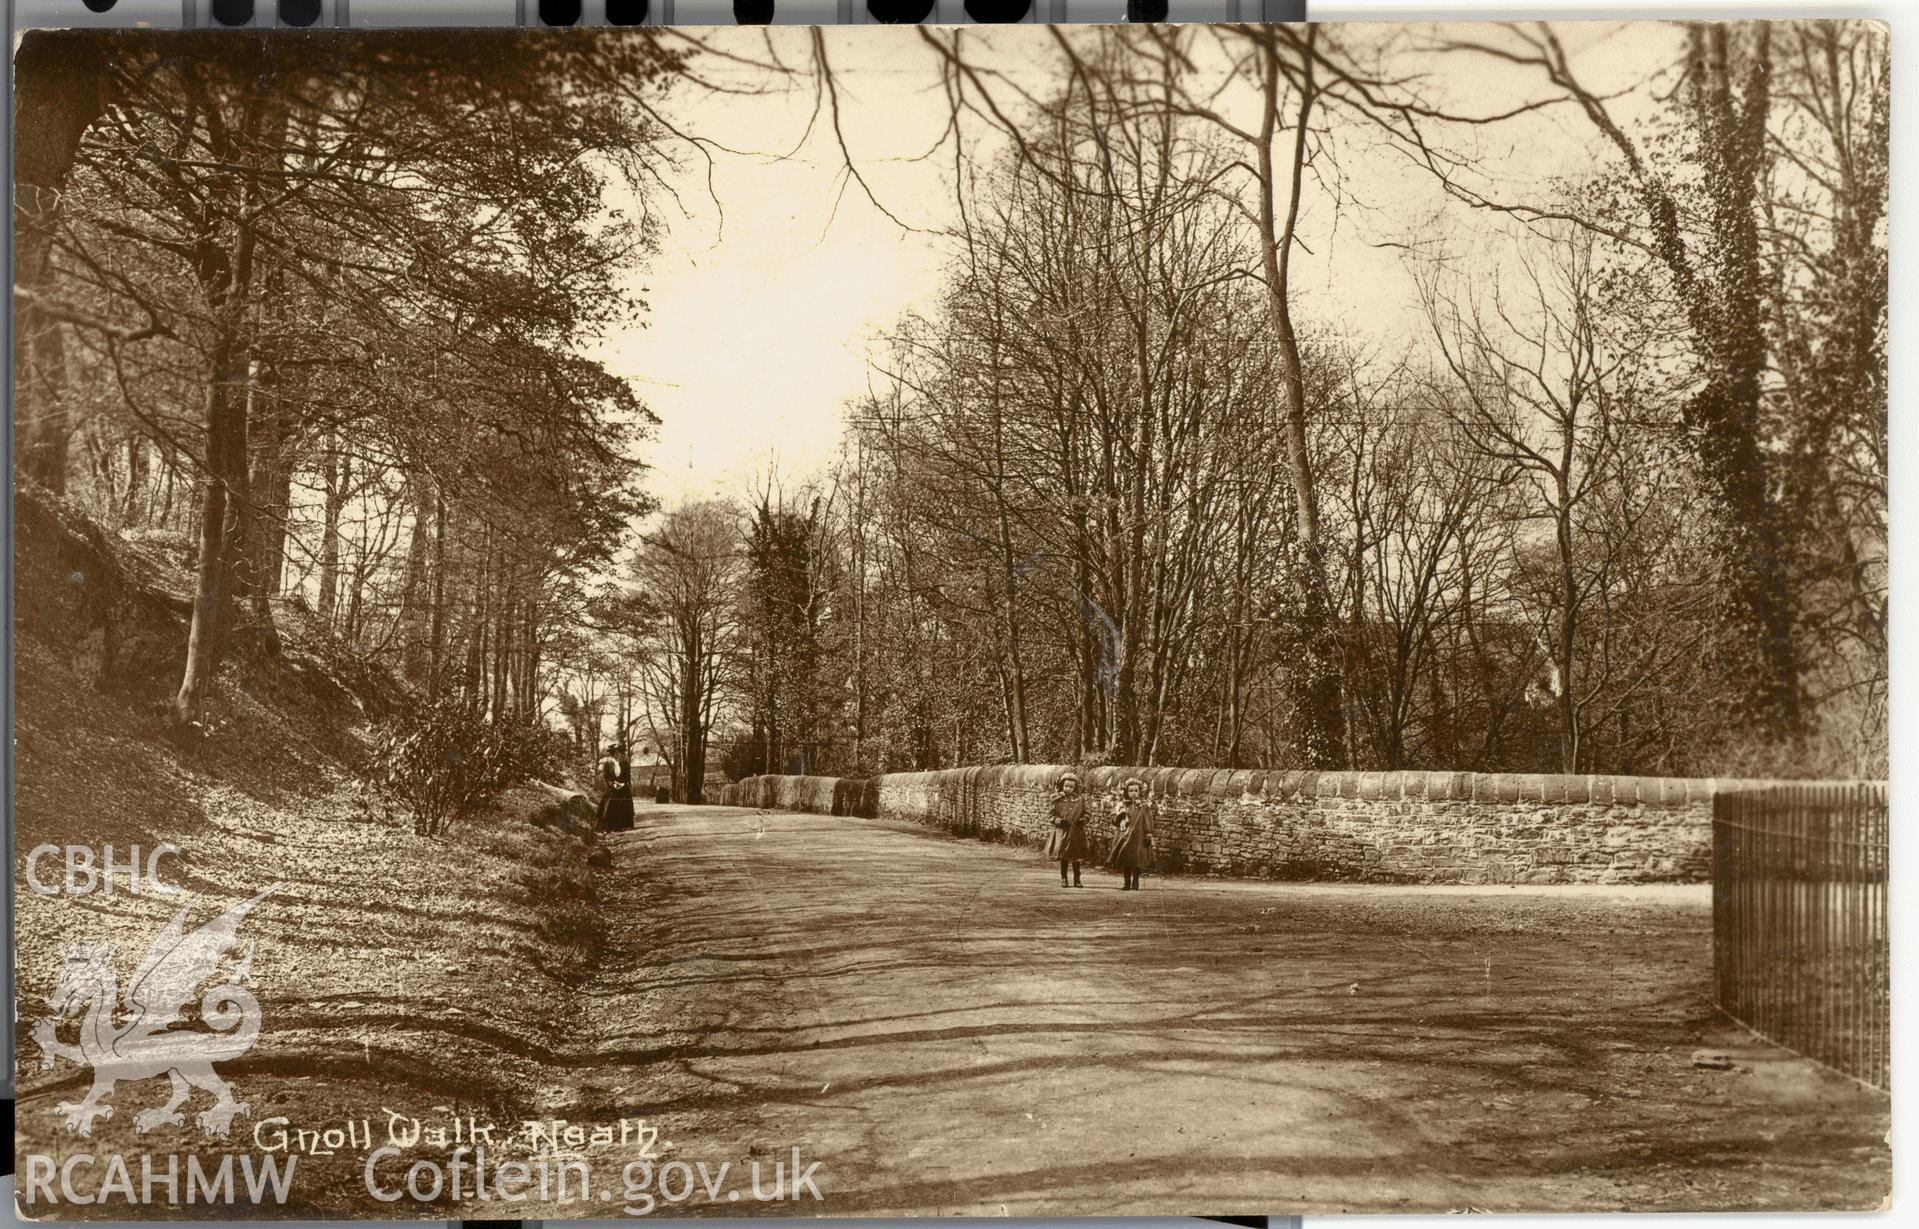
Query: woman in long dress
pixel 616 790
pixel 1133 844
pixel 1069 842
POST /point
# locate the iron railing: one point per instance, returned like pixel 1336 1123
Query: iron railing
pixel 1800 951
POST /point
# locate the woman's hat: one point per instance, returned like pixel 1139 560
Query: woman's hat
pixel 1071 776
pixel 1135 781
pixel 611 749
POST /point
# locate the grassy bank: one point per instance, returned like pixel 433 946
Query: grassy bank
pixel 428 977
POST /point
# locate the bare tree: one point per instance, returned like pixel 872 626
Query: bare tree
pixel 687 572
pixel 1540 385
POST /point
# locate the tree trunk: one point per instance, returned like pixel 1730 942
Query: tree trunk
pixel 1088 636
pixel 1016 698
pixel 1728 315
pixel 1568 624
pixel 356 591
pixel 414 613
pixel 137 481
pixel 530 665
pixel 1319 721
pixel 692 730
pixel 436 638
pixel 473 684
pixel 163 516
pixel 262 520
pixel 337 474
pixel 226 279
pixel 502 638
pixel 62 84
pixel 226 480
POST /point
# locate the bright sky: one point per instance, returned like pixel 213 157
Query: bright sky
pixel 762 322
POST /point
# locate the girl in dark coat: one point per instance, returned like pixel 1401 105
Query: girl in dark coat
pixel 1133 844
pixel 1069 842
pixel 616 786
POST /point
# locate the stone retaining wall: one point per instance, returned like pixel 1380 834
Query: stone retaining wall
pixel 818 795
pixel 1413 827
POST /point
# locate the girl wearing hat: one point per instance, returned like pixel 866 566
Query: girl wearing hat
pixel 1133 845
pixel 1069 842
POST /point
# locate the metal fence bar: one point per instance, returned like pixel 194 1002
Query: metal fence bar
pixel 1800 946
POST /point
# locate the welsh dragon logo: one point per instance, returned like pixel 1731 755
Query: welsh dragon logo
pixel 135 1038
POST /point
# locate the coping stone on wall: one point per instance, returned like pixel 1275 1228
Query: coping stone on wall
pixel 1289 784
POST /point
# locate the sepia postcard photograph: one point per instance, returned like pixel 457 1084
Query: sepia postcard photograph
pixel 923 621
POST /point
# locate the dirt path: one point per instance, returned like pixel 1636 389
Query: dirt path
pixel 948 1031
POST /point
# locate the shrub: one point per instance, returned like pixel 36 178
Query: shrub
pixel 744 756
pixel 442 760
